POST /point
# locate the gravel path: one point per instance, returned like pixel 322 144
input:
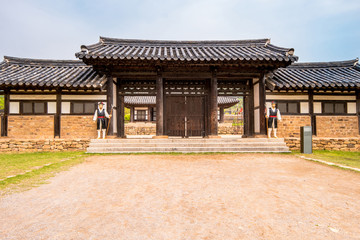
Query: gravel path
pixel 237 196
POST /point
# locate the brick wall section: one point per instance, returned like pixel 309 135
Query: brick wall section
pixel 337 126
pixel 34 127
pixel 53 145
pixel 76 126
pixel 343 144
pixel 290 125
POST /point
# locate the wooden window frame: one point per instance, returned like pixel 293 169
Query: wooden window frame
pixel 334 114
pixel 287 106
pixel 21 110
pixel 137 116
pixel 83 103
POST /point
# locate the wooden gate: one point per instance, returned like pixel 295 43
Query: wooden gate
pixel 185 116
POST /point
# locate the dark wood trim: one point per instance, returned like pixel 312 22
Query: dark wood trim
pixel 159 104
pixel 149 114
pixel 120 112
pixel 57 117
pixel 262 102
pixel 213 114
pixel 249 130
pixel 4 120
pixel 311 112
pixel 132 112
pixel 110 100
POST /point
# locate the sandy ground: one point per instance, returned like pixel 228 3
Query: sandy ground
pixel 239 196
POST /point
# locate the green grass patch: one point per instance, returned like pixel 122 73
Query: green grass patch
pixel 31 169
pixel 350 159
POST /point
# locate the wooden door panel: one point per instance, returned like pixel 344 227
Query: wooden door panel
pixel 175 116
pixel 195 114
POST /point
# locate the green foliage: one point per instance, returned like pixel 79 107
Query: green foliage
pixel 1 101
pixel 127 117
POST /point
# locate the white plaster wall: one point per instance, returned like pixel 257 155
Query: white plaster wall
pixel 351 107
pixel 286 97
pixel 65 107
pixel 256 95
pixel 317 107
pixel 332 97
pixel 14 108
pixel 51 107
pixel 32 97
pixel 257 120
pixel 83 97
pixel 304 107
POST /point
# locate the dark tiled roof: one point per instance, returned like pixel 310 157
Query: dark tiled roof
pixel 243 50
pixel 48 73
pixel 329 75
pixel 151 100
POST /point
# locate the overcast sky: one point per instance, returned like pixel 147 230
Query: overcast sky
pixel 319 30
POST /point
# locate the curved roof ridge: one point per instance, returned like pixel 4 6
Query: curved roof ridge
pixel 42 62
pixel 345 63
pixel 262 41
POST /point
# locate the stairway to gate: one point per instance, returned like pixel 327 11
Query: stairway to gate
pixel 190 145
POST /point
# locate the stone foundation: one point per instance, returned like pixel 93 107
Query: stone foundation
pixel 290 125
pixel 31 127
pixel 76 126
pixel 343 144
pixel 337 126
pixel 35 145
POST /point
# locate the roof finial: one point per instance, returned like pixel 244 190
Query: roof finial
pixel 356 61
pixel 267 42
pixel 84 49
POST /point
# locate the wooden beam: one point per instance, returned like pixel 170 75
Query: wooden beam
pixel 159 105
pixel 149 114
pixel 262 96
pixel 110 100
pixel 57 117
pixel 120 112
pixel 213 114
pixel 222 113
pixel 132 112
pixel 249 113
pixel 4 120
pixel 311 112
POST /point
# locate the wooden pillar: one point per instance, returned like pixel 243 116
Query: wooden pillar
pixel 249 112
pixel 120 111
pixel 4 120
pixel 222 114
pixel 262 95
pixel 213 113
pixel 57 117
pixel 311 112
pixel 358 108
pixel 110 100
pixel 159 105
pixel 149 114
pixel 132 112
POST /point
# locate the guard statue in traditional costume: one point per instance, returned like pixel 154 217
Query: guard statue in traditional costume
pixel 99 116
pixel 272 115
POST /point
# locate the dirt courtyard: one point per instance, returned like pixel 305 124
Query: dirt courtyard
pixel 231 196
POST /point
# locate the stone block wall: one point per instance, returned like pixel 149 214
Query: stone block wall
pixel 343 144
pixel 229 129
pixel 34 127
pixel 290 125
pixel 140 128
pixel 53 145
pixel 76 126
pixel 337 126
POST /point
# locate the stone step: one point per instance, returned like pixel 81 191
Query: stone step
pixel 186 149
pixel 186 144
pixel 190 140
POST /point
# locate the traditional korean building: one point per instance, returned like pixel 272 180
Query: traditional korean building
pixel 182 86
